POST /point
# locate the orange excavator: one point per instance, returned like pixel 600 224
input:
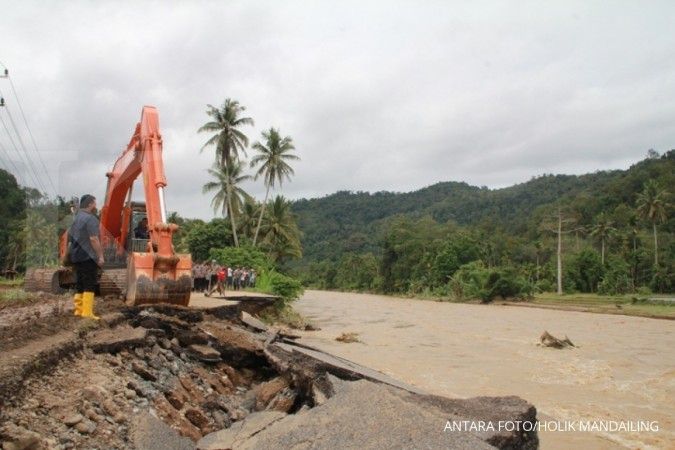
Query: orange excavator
pixel 143 269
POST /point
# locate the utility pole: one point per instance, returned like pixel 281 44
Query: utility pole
pixel 558 229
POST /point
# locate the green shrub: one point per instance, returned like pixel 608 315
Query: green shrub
pixel 475 281
pixel 545 286
pixel 583 271
pixel 643 291
pixel 285 287
pixel 616 279
pixel 663 279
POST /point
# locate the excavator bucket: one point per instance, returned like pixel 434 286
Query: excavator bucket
pixel 156 279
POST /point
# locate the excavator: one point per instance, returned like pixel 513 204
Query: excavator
pixel 144 271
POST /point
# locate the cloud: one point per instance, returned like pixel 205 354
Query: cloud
pixel 377 96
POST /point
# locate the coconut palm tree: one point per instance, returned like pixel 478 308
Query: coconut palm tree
pixel 602 229
pixel 229 194
pixel 273 157
pixel 228 138
pixel 652 205
pixel 281 236
pixel 249 218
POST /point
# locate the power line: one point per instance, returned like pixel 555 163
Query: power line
pixel 30 166
pixel 30 133
pixel 11 161
pixel 23 146
pixel 16 149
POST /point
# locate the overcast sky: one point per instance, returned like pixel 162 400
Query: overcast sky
pixel 378 95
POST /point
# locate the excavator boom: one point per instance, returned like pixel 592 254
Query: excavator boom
pixel 157 274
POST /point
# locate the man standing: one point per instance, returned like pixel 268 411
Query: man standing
pixel 86 254
pixel 221 276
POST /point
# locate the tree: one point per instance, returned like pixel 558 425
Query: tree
pixel 652 205
pixel 202 237
pixel 229 194
pixel 225 123
pixel 280 232
pixel 273 157
pixel 602 229
pixel 248 218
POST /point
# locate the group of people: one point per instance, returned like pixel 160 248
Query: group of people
pixel 210 277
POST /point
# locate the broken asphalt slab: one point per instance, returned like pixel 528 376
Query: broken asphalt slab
pixel 366 415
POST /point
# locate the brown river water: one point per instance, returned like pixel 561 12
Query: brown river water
pixel 622 372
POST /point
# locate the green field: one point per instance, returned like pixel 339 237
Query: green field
pixel 624 304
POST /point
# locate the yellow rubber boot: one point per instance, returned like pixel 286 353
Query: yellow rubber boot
pixel 88 306
pixel 77 300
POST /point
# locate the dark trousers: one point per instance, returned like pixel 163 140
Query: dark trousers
pixel 85 276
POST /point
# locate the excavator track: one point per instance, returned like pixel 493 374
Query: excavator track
pixel 43 279
pixel 113 282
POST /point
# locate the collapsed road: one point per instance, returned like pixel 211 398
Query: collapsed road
pixel 172 377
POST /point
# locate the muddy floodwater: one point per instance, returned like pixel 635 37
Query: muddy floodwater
pixel 623 370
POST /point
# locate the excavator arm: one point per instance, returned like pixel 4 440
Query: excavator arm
pixel 157 275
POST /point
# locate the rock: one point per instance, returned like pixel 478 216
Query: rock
pixel 119 418
pixel 109 407
pixel 221 420
pixel 222 385
pixel 95 394
pixel 130 394
pixel 19 438
pixel 242 347
pixel 73 419
pixel 137 389
pixel 284 401
pixel 140 352
pixel 166 411
pixel 268 390
pixel 177 396
pixel 164 343
pixel 235 378
pixel 204 353
pixel 86 427
pixel 252 322
pixel 193 391
pixel 239 431
pixel 156 363
pixel 143 372
pixel 318 397
pixel 91 415
pixel 197 418
pixel 149 433
pixel 115 339
pixel 189 337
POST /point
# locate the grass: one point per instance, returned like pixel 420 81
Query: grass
pixel 6 282
pixel 630 305
pixel 13 297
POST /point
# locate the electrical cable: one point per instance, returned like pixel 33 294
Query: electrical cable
pixel 30 133
pixel 16 149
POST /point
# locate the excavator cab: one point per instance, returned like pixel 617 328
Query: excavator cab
pixel 135 241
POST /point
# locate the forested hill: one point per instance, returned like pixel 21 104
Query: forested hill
pixel 352 221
